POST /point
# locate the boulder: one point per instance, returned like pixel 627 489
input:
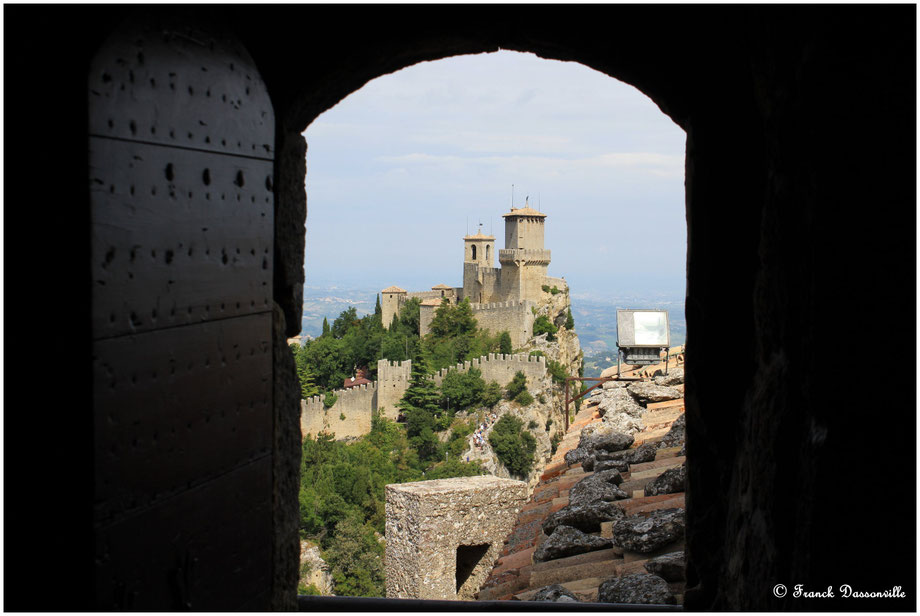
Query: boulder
pixel 639 533
pixel 586 517
pixel 645 392
pixel 645 452
pixel 637 588
pixel 677 435
pixel 620 401
pixel 574 456
pixel 605 465
pixel 675 376
pixel 556 593
pixel 668 482
pixel 601 486
pixel 568 541
pixel 671 567
pixel 605 439
pixel 627 424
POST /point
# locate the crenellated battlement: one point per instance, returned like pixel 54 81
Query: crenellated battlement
pixel 540 256
pixel 500 368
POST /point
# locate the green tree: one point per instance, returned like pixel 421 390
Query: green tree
pixel 462 390
pixel 514 446
pixel 569 320
pixel 557 371
pixel 305 374
pixel 420 404
pixel 504 343
pixel 356 559
pixel 492 394
pixel 542 325
pixel 377 309
pixel 516 385
pixel 325 327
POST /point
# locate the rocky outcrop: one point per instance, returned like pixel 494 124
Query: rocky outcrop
pixel 602 439
pixel 556 593
pixel 639 533
pixel 668 482
pixel 568 541
pixel 637 588
pixel 670 567
pixel 313 569
pixel 586 517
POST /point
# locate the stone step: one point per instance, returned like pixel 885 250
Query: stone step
pixel 650 473
pixel 664 463
pixel 517 560
pixel 668 501
pixel 577 559
pixel 654 406
pixel 514 583
pixel 559 575
pixel 676 546
pixel 631 486
pixel 668 452
pixel 585 589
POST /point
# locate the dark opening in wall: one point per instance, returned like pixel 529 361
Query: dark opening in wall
pixel 468 556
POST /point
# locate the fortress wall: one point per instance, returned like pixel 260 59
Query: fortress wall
pixel 357 404
pixel 491 284
pixel 392 382
pixel 425 317
pixel 514 317
pixel 501 368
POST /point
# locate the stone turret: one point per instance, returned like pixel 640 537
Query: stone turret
pixel 391 300
pixel 523 260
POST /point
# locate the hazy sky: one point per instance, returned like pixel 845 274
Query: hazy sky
pixel 399 171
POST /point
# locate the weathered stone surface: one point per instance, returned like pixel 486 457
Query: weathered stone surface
pixel 668 482
pixel 670 567
pixel 471 514
pixel 554 592
pixel 579 454
pixel 637 588
pixel 618 401
pixel 622 422
pixel 603 437
pixel 645 452
pixel 676 435
pixel 639 533
pixel 585 517
pixel 675 376
pixel 645 392
pixel 601 486
pixel 568 541
pixel 605 465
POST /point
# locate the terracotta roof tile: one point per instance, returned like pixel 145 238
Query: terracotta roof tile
pixel 393 289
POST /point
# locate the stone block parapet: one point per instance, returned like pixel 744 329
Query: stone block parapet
pixel 501 368
pixel 443 536
pixel 532 256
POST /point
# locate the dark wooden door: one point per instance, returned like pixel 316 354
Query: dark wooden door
pixel 181 157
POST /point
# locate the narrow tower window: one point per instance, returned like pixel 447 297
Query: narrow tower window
pixel 474 251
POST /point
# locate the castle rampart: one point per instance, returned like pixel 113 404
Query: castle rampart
pixel 356 404
pixel 359 404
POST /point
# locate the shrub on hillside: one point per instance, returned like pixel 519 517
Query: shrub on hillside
pixel 542 325
pixel 492 394
pixel 517 385
pixel 514 446
pixel 524 398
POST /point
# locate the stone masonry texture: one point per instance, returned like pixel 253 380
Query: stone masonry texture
pixel 434 528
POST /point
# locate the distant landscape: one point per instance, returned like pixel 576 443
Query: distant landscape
pixel 595 316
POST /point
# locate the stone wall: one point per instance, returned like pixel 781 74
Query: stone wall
pixel 357 404
pixel 501 368
pixel 392 382
pixel 443 536
pixel 514 317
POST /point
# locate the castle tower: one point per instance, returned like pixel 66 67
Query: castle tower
pixel 478 259
pixel 391 300
pixel 523 260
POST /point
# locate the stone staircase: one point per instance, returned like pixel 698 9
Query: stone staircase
pixel 515 575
